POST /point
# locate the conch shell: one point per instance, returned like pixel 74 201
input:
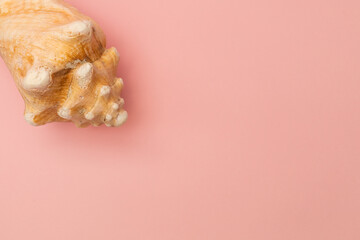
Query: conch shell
pixel 60 64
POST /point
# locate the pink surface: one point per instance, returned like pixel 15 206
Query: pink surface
pixel 244 123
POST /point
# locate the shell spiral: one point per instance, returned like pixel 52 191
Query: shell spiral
pixel 60 64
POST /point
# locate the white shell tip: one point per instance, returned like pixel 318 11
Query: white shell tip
pixel 84 74
pixel 108 117
pixel 79 28
pixel 64 113
pixel 115 106
pixel 116 52
pixel 121 119
pixel 84 70
pixel 105 90
pixel 122 102
pixel 89 116
pixel 29 118
pixel 36 79
pixel 120 80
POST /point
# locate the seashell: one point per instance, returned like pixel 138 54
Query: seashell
pixel 60 64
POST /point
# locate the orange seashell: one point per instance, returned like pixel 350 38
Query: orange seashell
pixel 60 64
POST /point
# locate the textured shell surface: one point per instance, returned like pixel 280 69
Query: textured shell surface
pixel 60 64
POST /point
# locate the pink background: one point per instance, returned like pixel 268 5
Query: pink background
pixel 244 123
